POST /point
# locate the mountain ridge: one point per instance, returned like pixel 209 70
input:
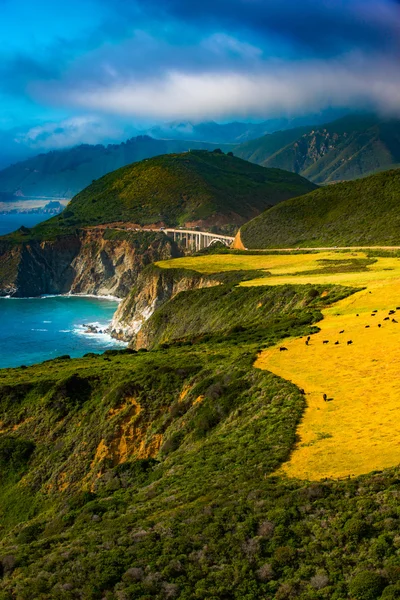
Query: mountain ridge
pixel 348 148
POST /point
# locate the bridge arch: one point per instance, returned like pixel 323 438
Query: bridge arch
pixel 219 241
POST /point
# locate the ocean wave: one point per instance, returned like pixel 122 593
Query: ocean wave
pixel 39 329
pixel 102 338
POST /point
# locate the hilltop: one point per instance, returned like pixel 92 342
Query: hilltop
pixel 348 148
pixel 362 212
pixel 64 173
pixel 199 187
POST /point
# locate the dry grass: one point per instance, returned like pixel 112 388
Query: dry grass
pixel 357 432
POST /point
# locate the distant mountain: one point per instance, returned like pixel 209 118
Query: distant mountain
pixel 362 212
pixel 63 173
pixel 350 147
pixel 235 132
pixel 195 188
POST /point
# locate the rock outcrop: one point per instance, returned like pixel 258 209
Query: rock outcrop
pixel 100 262
pixel 154 287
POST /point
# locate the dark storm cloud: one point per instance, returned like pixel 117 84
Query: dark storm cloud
pixel 325 26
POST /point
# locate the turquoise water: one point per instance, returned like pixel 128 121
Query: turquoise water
pixel 37 329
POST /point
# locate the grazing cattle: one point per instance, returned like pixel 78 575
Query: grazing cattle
pixel 324 397
pixel 376 310
pixel 309 338
pixel 386 319
pixel 336 343
pixel 282 349
pixel 391 312
pixel 306 342
pixel 349 342
pixel 357 315
pixel 325 341
pixel 341 331
pixel 394 321
pixel 373 315
pixel 367 326
pixel 397 307
pixel 302 391
pixel 379 325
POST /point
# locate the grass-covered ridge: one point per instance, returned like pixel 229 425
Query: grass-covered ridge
pixel 180 188
pixel 364 212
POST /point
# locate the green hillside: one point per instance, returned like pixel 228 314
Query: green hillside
pixel 149 475
pixel 346 149
pixel 209 188
pixel 362 212
pixel 64 173
pixel 153 475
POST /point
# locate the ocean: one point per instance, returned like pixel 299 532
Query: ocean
pixel 11 222
pixel 37 329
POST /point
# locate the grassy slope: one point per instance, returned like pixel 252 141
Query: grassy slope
pixel 180 188
pixel 362 212
pixel 64 173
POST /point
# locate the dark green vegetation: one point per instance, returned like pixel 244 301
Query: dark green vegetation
pixel 241 314
pixel 179 188
pixel 64 173
pixel 344 265
pixel 364 212
pixel 351 147
pixel 150 474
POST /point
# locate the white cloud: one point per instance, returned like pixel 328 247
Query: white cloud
pixel 69 132
pixel 293 88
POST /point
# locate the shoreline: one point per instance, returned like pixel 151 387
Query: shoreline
pixel 68 295
pixel 78 329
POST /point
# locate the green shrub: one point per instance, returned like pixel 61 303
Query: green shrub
pixel 14 455
pixel 366 585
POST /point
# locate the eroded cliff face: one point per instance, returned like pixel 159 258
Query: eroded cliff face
pixel 89 262
pixel 154 287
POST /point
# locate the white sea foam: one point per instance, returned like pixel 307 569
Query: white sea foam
pixel 101 338
pixel 39 329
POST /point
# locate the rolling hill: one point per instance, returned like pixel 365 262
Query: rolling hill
pixel 64 173
pixel 195 188
pixel 348 148
pixel 362 212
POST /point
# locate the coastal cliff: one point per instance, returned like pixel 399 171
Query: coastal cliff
pixel 90 261
pixel 142 318
pixel 154 287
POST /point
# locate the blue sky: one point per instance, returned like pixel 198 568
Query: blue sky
pixel 94 70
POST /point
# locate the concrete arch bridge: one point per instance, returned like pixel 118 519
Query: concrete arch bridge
pixel 197 240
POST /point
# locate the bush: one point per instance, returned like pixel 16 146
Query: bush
pixel 391 592
pixel 366 585
pixel 14 454
pixel 355 529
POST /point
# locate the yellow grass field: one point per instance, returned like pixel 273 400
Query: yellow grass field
pixel 358 431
